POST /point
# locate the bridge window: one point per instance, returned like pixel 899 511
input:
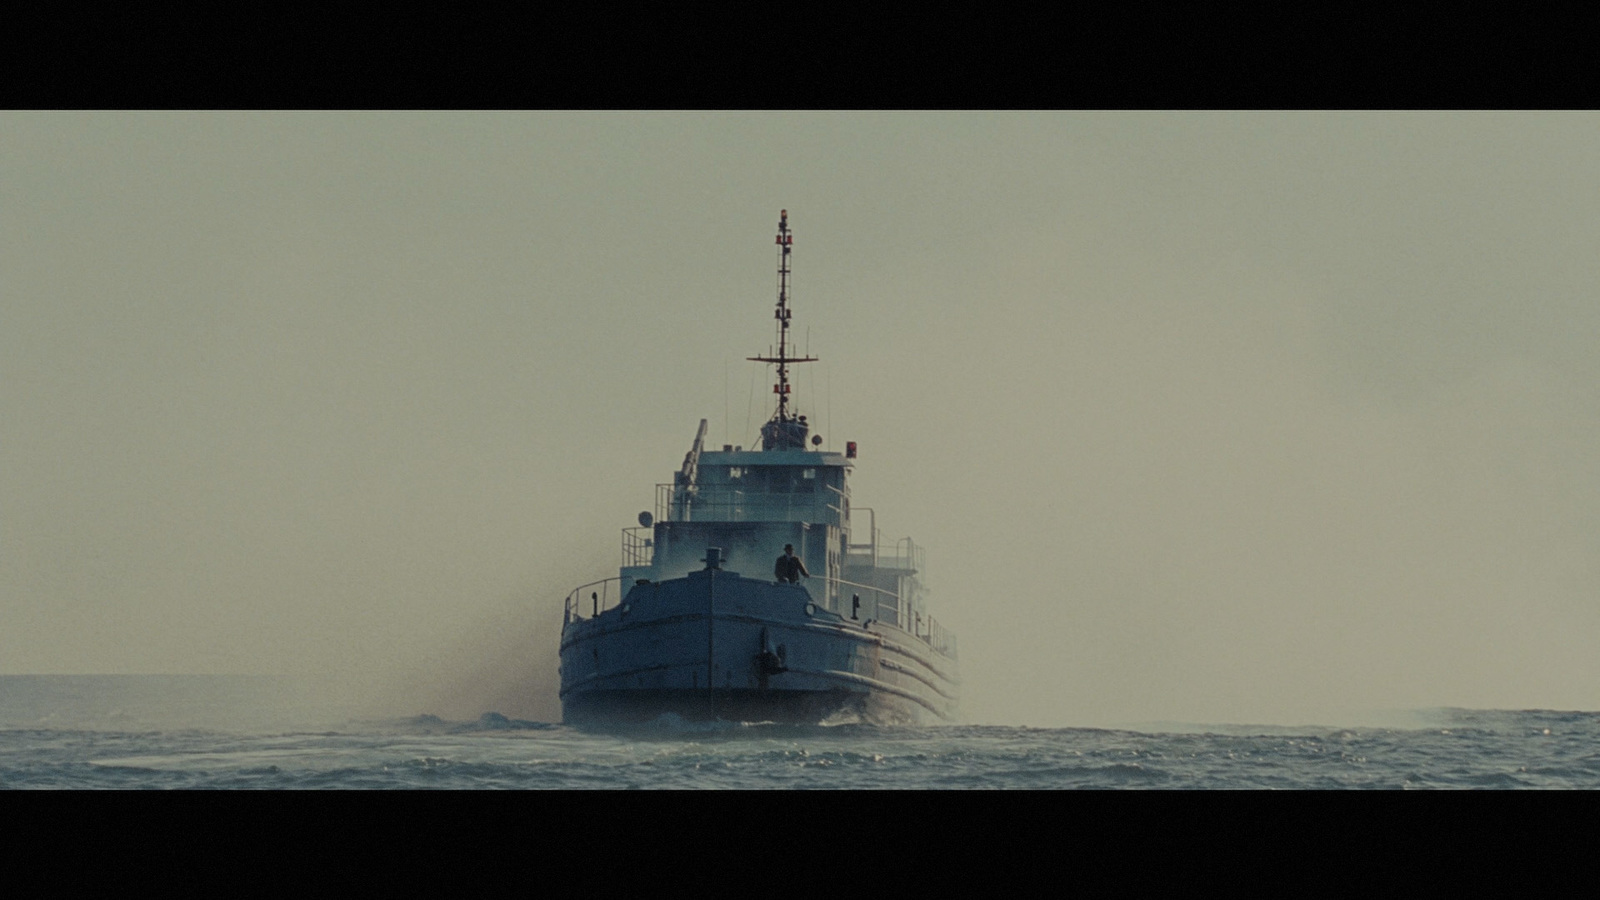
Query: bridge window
pixel 780 481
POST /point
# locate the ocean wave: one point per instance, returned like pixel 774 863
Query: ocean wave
pixel 70 738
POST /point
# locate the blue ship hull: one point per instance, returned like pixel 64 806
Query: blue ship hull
pixel 716 646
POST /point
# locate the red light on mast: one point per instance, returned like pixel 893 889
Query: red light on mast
pixel 850 450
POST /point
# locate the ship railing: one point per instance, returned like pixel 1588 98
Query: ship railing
pixel 638 546
pixel 841 599
pixel 905 554
pixel 891 611
pixel 883 556
pixel 868 548
pixel 928 629
pixel 601 596
pixel 677 503
pixel 915 557
pixel 940 639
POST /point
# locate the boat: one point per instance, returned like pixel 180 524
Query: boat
pixel 752 594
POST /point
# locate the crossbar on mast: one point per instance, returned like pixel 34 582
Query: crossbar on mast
pixel 783 359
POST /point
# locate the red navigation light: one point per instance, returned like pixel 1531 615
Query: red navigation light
pixel 850 449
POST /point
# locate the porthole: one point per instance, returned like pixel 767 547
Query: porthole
pixel 811 609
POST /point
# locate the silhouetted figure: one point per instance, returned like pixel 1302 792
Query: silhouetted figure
pixel 789 567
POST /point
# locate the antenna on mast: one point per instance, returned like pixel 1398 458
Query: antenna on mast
pixel 785 430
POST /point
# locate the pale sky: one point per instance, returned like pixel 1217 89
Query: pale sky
pixel 1203 417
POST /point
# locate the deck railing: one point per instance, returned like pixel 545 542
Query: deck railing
pixel 598 596
pixel 904 555
pixel 705 503
pixel 602 595
pixel 638 546
pixel 937 637
pixel 891 610
pixel 841 595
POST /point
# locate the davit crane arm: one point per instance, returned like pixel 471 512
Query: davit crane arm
pixel 684 490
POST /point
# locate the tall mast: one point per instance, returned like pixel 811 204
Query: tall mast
pixel 783 359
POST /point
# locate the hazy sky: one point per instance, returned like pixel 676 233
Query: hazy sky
pixel 1266 417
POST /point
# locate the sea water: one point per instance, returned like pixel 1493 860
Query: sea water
pixel 126 732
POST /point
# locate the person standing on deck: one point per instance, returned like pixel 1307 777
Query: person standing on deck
pixel 789 567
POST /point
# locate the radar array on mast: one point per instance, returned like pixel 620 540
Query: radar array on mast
pixel 785 428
